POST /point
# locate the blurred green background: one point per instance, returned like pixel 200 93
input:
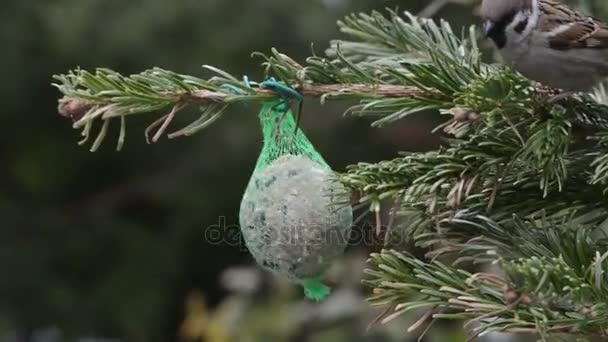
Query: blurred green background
pixel 111 246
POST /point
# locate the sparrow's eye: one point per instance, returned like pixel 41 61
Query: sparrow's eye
pixel 488 25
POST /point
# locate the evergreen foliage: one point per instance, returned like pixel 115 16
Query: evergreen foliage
pixel 520 182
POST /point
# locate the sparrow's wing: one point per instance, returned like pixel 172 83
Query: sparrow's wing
pixel 568 29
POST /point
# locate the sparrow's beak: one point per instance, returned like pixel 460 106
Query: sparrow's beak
pixel 487 27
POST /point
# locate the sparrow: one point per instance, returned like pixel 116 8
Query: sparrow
pixel 548 42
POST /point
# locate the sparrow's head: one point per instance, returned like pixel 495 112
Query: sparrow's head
pixel 497 15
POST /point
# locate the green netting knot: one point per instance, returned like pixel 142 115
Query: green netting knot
pixel 282 138
pixel 315 290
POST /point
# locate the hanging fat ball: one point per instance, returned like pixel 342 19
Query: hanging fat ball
pixel 295 217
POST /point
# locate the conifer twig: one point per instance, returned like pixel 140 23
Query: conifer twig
pixel 74 108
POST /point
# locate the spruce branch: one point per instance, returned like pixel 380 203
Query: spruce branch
pixel 480 239
pixel 446 72
pixel 395 43
pixel 393 91
pixel 542 295
pixel 106 94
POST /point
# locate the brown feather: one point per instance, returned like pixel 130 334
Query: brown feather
pixel 582 33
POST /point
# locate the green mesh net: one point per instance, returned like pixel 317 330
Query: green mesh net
pixel 281 137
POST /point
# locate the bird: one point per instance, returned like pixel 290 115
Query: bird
pixel 548 42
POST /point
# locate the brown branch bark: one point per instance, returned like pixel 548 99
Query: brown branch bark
pixel 383 90
pixel 74 108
